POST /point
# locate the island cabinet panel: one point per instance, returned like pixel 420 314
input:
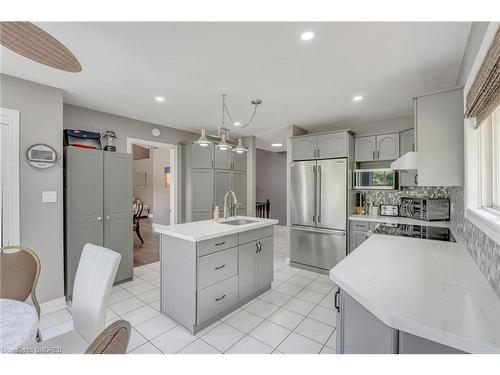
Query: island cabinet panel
pixel 216 244
pixel 178 279
pixel 217 298
pixel 216 267
pixel 411 344
pixel 360 332
pixel 265 262
pixel 247 269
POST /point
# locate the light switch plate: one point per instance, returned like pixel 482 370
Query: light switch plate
pixel 49 196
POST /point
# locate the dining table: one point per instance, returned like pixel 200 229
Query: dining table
pixel 18 326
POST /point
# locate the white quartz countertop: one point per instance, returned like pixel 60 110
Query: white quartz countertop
pixel 398 220
pixel 432 289
pixel 208 229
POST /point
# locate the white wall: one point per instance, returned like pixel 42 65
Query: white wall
pixel 41 121
pixel 144 193
pixel 161 194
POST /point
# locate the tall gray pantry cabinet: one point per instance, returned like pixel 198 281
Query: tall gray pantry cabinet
pixel 97 208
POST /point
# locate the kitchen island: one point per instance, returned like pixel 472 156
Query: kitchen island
pixel 209 268
pixel 408 295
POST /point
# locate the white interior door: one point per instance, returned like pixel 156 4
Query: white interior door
pixel 9 172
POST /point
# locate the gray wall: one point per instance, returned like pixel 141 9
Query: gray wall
pixel 271 182
pixel 41 121
pixel 88 119
pixel 476 35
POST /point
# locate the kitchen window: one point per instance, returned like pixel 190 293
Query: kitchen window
pixel 482 138
pixel 490 162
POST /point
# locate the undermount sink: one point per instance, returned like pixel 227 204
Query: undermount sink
pixel 238 222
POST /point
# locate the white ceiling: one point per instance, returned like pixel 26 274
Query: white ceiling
pixel 310 84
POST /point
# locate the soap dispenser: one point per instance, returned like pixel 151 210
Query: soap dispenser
pixel 216 213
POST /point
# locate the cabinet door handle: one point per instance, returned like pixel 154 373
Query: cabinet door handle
pixel 220 243
pixel 257 247
pixel 336 299
pixel 99 218
pixel 220 298
pixel 378 154
pixel 260 247
pixel 373 154
pixel 220 267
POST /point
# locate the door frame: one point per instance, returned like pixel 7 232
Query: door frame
pixel 175 184
pixel 10 206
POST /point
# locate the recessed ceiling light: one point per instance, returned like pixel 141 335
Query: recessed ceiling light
pixel 357 98
pixel 236 123
pixel 159 99
pixel 307 35
pixel 276 144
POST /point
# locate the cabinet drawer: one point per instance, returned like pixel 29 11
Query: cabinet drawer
pixel 254 235
pixel 217 298
pixel 217 267
pixel 360 225
pixel 216 244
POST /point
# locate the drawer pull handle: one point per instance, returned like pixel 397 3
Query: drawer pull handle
pixel 220 298
pixel 220 243
pixel 220 267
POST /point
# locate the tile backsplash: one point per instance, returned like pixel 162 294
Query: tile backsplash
pixel 394 196
pixel 483 249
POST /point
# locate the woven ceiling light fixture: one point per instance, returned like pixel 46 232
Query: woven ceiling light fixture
pixel 32 42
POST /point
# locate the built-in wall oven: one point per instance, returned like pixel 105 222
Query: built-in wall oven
pixel 375 179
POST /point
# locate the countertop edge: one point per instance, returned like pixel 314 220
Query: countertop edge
pixel 162 229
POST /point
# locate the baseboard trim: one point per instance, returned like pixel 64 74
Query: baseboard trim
pixel 53 305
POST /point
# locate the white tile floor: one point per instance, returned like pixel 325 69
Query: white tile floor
pixel 296 316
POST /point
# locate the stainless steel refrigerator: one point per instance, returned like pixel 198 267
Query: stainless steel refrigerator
pixel 318 213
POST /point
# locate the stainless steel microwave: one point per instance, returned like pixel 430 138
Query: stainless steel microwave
pixel 375 179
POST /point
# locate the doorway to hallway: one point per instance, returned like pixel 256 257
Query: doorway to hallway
pixel 154 189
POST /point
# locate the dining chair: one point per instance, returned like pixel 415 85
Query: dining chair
pixel 113 340
pixel 138 208
pixel 19 271
pixel 93 281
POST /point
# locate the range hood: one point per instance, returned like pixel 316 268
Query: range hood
pixel 406 162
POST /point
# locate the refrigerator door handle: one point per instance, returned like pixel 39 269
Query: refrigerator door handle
pixel 319 194
pixel 319 230
pixel 315 195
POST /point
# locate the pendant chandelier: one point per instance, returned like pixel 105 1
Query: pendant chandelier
pixel 222 140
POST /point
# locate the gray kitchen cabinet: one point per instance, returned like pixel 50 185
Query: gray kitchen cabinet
pixel 411 344
pixel 202 186
pixel 440 138
pixel 332 145
pixel 320 146
pixel 202 157
pixel 357 238
pixel 222 185
pixel 97 208
pixel 304 148
pixel 365 148
pixel 407 144
pixel 118 236
pixel 361 332
pixel 265 264
pixel 255 266
pixel 223 159
pixel 239 161
pixel 358 231
pixel 247 268
pixel 239 186
pixel 388 146
pixel 377 147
